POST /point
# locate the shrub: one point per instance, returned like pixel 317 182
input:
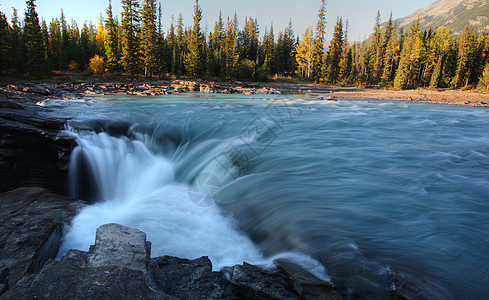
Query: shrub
pixel 97 65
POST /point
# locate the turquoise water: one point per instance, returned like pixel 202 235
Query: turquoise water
pixel 369 189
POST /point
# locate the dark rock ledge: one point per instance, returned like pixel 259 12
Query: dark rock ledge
pixel 33 149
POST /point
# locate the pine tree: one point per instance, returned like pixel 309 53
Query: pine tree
pixel 130 59
pixel 4 43
pixel 466 55
pixel 216 52
pixel 248 40
pixel 63 53
pixel 391 58
pixel 284 52
pixel 36 62
pixel 86 49
pixel 441 43
pixel 17 46
pixel 335 52
pixel 194 56
pixel 346 58
pixel 376 53
pixel 231 46
pixel 319 56
pixel 268 49
pixel 112 54
pixel 180 47
pixel 149 38
pixel 55 44
pixel 410 61
pixel 304 54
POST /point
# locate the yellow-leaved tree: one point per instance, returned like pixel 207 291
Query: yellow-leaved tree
pixel 304 56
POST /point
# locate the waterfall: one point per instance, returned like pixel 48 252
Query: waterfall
pixel 137 188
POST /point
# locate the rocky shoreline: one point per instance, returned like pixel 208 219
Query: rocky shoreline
pixel 37 91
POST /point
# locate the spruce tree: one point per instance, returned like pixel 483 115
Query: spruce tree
pixel 16 43
pixel 376 53
pixel 391 58
pixel 441 43
pixel 216 52
pixel 4 44
pixel 231 46
pixel 36 63
pixel 346 57
pixel 130 59
pixel 180 47
pixel 318 66
pixel 194 56
pixel 112 55
pixel 466 56
pixel 410 61
pixel 149 38
pixel 335 52
pixel 268 49
pixel 284 52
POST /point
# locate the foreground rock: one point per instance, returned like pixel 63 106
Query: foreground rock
pixel 118 267
pixel 33 149
pixel 31 231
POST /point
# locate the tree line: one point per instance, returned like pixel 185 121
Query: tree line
pixel 137 45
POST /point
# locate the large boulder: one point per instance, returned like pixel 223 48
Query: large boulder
pixel 31 231
pixel 188 279
pixel 114 268
pixel 34 151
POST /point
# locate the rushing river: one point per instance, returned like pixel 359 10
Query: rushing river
pixel 357 191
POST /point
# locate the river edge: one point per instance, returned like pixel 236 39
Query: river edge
pixel 37 91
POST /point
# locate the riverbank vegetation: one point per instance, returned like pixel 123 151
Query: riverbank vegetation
pixel 137 45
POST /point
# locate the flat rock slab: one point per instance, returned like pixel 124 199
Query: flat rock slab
pixel 32 223
pixel 117 245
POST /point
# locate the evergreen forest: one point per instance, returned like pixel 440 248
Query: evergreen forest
pixel 135 44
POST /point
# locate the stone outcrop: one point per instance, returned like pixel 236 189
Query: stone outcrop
pixel 31 231
pixel 118 267
pixel 33 149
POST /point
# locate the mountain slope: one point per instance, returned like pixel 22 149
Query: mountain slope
pixel 454 14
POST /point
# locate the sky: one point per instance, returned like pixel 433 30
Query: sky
pixel 303 13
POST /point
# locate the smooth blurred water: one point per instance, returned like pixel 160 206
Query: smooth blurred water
pixel 367 188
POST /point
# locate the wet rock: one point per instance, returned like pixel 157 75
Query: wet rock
pixel 117 245
pixel 114 268
pixel 289 282
pixel 33 149
pixel 252 282
pixel 64 280
pixel 188 279
pixel 31 231
pixel 406 287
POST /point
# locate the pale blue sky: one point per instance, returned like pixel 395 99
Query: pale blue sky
pixel 360 13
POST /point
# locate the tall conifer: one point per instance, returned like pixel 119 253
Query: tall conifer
pixel 318 66
pixel 112 55
pixel 36 62
pixel 194 56
pixel 149 38
pixel 130 58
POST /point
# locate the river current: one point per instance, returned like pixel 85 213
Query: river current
pixel 359 192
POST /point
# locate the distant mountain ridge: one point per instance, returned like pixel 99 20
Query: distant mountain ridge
pixel 454 14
